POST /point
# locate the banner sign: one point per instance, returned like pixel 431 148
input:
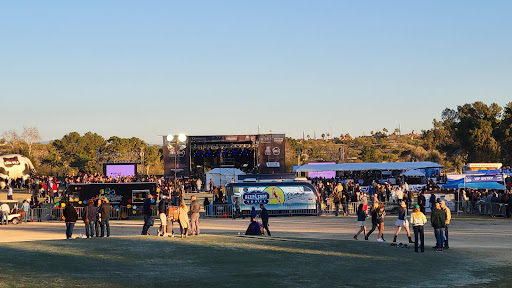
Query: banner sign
pixel 484 178
pixel 277 197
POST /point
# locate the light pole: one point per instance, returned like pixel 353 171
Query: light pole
pixel 172 143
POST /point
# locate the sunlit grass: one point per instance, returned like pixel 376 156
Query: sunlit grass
pixel 230 261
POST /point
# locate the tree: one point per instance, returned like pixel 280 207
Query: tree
pixel 369 154
pixel 13 141
pixel 30 136
pixel 323 136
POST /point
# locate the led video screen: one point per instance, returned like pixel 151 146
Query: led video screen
pixel 120 170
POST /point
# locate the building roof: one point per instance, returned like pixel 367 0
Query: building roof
pixel 367 166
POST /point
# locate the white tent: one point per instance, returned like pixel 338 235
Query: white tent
pixel 413 173
pixel 221 176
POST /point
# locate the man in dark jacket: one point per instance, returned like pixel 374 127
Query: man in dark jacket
pixel 146 211
pixel 438 220
pixel 70 216
pixel 264 218
pixel 105 209
pixel 421 201
pixel 195 206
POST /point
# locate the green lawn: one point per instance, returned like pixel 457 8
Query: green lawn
pixel 236 261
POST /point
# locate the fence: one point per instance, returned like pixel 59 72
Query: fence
pixel 482 208
pixel 228 211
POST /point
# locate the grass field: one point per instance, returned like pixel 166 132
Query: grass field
pixel 237 261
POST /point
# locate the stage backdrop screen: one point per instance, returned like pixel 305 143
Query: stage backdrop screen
pixel 115 170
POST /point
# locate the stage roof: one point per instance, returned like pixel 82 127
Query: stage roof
pixel 367 166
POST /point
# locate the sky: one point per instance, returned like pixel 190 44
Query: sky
pixel 151 68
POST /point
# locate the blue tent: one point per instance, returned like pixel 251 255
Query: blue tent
pixel 474 185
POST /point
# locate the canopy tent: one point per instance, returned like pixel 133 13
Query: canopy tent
pixel 221 176
pixel 473 185
pixel 413 173
pixel 367 166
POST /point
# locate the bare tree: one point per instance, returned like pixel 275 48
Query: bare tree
pixel 12 139
pixel 30 136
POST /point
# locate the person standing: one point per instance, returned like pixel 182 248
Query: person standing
pixel 105 217
pixel 421 201
pixel 5 213
pixel 448 215
pixel 375 207
pixel 162 207
pixel 9 192
pixel 195 207
pixel 402 222
pixel 25 207
pixel 361 221
pixel 97 223
pixel 183 218
pixel 432 200
pixel 70 216
pixel 381 213
pixel 146 211
pixel 337 194
pixel 199 183
pixel 264 218
pixel 438 220
pixel 418 221
pixel 90 218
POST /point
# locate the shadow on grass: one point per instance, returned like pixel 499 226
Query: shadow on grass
pixel 231 261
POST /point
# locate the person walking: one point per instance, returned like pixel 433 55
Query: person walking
pixel 375 224
pixel 146 211
pixel 183 218
pixel 70 216
pixel 90 218
pixel 381 213
pixel 195 207
pixel 264 218
pixel 418 221
pixel 105 217
pixel 361 220
pixel 402 222
pixel 448 215
pixel 438 221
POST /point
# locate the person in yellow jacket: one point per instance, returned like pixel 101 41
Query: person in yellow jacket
pixel 448 214
pixel 418 220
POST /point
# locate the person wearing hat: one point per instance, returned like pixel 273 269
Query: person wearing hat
pixel 402 222
pixel 448 215
pixel 418 221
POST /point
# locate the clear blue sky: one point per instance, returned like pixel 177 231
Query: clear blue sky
pixel 147 68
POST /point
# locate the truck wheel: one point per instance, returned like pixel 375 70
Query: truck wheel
pixel 15 221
